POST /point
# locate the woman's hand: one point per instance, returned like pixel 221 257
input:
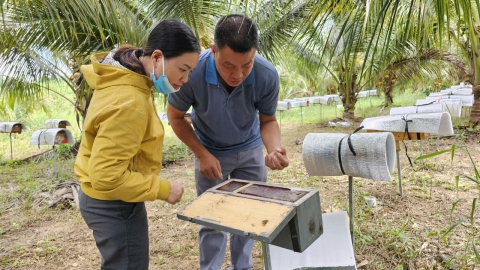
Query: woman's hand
pixel 176 192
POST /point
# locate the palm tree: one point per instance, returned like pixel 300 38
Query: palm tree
pixel 412 66
pixel 44 40
pixel 48 40
pixel 457 20
pixel 355 40
pixel 292 82
pixel 460 19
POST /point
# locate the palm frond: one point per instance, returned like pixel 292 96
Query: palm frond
pixel 44 40
pixel 201 16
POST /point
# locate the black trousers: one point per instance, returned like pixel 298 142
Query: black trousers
pixel 120 230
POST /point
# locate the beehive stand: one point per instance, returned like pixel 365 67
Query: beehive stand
pixel 417 126
pixel 53 137
pixel 11 127
pixel 367 155
pixel 287 217
pixel 283 106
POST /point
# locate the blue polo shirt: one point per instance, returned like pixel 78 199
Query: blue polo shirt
pixel 228 123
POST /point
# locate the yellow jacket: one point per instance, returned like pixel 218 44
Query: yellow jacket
pixel 120 155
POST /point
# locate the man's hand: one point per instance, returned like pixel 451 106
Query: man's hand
pixel 176 192
pixel 277 160
pixel 210 167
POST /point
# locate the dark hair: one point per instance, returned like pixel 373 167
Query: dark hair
pixel 237 32
pixel 172 37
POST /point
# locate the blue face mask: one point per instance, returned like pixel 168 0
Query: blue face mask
pixel 162 84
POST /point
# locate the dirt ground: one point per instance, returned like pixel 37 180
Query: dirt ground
pixel 405 232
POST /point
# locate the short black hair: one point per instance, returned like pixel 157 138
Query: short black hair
pixel 237 32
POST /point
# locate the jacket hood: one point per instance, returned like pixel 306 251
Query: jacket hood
pixel 105 72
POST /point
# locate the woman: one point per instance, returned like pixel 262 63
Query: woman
pixel 121 150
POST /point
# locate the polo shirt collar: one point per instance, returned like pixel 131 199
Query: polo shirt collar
pixel 211 75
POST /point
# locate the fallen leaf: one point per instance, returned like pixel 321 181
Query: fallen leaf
pixel 362 263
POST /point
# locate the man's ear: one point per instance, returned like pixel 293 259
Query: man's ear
pixel 214 50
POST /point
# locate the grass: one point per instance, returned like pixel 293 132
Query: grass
pixel 403 233
pixel 377 233
pixel 365 107
pixel 55 108
pixel 58 108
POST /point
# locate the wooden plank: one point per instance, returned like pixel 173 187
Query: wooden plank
pixel 231 186
pixel 262 220
pixel 402 136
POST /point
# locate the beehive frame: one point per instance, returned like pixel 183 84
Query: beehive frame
pixel 288 217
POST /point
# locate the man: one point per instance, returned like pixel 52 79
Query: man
pixel 234 93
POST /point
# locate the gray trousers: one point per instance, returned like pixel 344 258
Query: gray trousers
pixel 120 230
pixel 247 165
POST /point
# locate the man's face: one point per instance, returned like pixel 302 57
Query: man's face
pixel 233 67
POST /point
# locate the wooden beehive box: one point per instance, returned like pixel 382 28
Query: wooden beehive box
pixel 12 127
pixel 53 136
pixel 56 123
pixel 287 217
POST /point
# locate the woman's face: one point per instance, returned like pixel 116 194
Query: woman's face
pixel 177 68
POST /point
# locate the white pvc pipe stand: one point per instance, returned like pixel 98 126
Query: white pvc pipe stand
pixel 266 257
pixel 11 148
pixel 399 174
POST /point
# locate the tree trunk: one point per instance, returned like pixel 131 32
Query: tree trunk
pixel 472 21
pixel 475 112
pixel 348 90
pixel 349 109
pixel 388 82
pixel 342 86
pixel 348 115
pixel 388 95
pixel 349 98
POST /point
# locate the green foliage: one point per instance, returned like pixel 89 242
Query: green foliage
pixel 174 152
pixel 366 107
pixel 54 106
pixel 455 205
pixel 475 249
pixel 473 128
pixel 12 163
pixel 405 245
pixel 472 234
pixel 460 221
pixel 20 110
pixel 407 97
pixel 64 151
pixel 363 41
pixel 426 91
pixel 47 247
